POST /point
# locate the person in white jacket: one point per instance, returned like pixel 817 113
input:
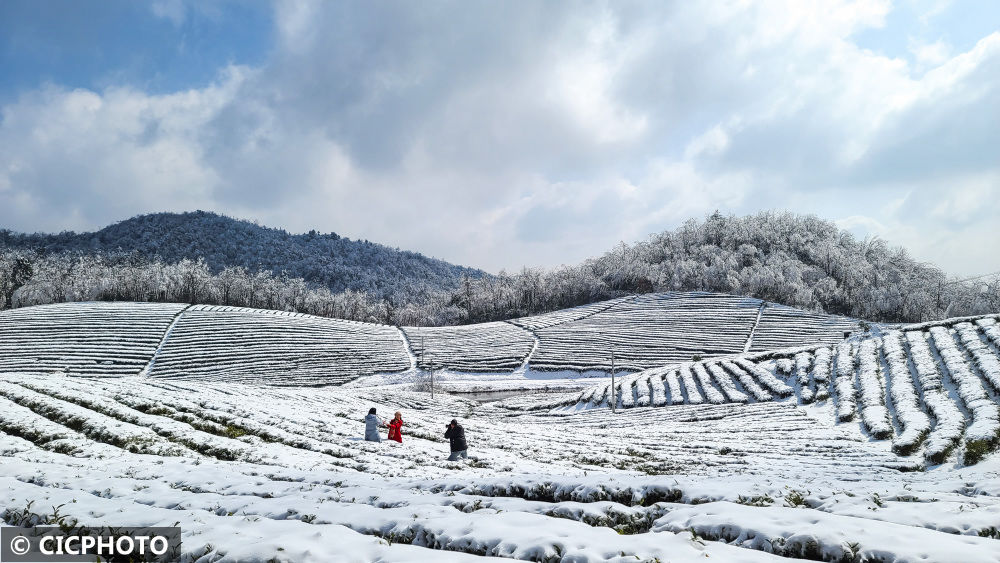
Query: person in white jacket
pixel 372 422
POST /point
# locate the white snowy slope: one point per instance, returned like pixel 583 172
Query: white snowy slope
pixel 261 473
pixel 933 389
pixel 648 331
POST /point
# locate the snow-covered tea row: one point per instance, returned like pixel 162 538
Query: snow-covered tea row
pixel 545 320
pixel 255 473
pixel 282 348
pixel 487 347
pixel 648 331
pixel 935 387
pixel 787 327
pixel 251 345
pixel 102 339
pixel 656 329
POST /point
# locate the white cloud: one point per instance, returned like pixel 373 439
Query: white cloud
pixel 496 139
pixel 173 10
pixel 930 54
pixel 73 158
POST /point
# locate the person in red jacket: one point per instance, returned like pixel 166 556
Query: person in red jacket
pixel 395 428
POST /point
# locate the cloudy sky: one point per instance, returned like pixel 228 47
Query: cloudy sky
pixel 502 134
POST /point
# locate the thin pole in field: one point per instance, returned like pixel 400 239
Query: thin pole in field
pixel 614 394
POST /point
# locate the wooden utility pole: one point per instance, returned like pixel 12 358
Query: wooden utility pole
pixel 614 394
pixel 421 366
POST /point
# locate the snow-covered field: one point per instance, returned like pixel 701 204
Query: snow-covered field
pixel 878 448
pixel 253 473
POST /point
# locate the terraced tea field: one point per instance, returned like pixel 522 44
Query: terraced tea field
pixel 215 343
pixel 931 388
pixel 878 447
pixel 98 339
pixel 253 473
pixel 252 345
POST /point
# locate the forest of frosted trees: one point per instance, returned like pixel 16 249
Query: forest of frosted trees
pixel 796 260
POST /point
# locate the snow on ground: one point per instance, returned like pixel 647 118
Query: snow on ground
pixel 881 447
pixel 253 473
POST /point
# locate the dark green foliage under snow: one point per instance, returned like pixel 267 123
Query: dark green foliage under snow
pixel 325 259
pixel 796 260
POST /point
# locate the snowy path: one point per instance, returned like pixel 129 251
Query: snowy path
pixel 756 323
pixel 166 336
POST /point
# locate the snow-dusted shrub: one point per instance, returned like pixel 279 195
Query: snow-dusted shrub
pixel 873 412
pixel 694 396
pixel 844 383
pixel 948 420
pixel 725 381
pixel 603 394
pixel 656 385
pixel 587 395
pixel 711 393
pixel 626 390
pixel 821 373
pixel 986 360
pixel 643 397
pixel 765 377
pixel 747 381
pixel 985 427
pixel 906 400
pixel 991 329
pixel 784 365
pixel 803 360
pixel 672 380
pixel 614 396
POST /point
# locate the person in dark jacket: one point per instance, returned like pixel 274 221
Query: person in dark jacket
pixel 456 434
